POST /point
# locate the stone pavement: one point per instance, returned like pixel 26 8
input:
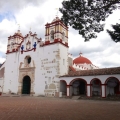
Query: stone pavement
pixel 42 108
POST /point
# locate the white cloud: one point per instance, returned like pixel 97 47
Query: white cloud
pixel 102 51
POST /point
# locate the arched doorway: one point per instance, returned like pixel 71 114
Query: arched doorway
pixel 95 87
pixel 78 87
pixel 63 87
pixel 112 86
pixel 26 85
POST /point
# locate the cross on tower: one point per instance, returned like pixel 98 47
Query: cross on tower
pixel 80 54
pixel 18 26
pixel 57 9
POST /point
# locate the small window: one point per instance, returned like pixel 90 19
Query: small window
pixel 52 35
pixel 29 60
pixel 63 36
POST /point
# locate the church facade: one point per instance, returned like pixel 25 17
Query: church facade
pixel 37 67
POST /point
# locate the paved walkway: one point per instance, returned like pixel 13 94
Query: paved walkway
pixel 41 108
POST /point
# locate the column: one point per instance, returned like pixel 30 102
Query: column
pixel 119 86
pixel 88 90
pixel 46 31
pixel 103 90
pixel 68 90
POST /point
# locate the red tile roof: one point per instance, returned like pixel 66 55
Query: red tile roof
pixel 103 71
pixel 72 68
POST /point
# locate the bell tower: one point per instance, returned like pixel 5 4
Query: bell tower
pixel 14 42
pixel 56 31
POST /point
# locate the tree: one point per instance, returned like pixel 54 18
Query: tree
pixel 86 16
pixel 115 35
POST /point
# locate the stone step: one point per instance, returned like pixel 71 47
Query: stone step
pixel 76 97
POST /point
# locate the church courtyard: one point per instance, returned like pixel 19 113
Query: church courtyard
pixel 43 108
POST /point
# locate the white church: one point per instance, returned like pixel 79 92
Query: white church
pixel 37 67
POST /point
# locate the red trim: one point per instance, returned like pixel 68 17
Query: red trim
pixel 30 33
pixel 66 43
pixel 77 79
pixel 15 36
pixel 34 49
pixel 95 79
pixel 14 50
pixel 57 23
pixel 103 97
pixel 55 43
pixel 55 33
pixel 111 77
pixel 28 50
pixel 80 80
pixel 88 84
pixel 13 44
pixel 47 42
pixel 21 52
pixel 63 81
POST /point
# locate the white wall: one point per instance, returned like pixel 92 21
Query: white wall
pixel 11 73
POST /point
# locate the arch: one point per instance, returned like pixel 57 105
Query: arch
pixel 26 85
pixel 63 36
pixel 78 86
pixel 77 79
pixel 109 78
pixel 64 81
pixel 27 60
pixel 95 87
pixel 112 86
pixel 63 87
pixel 52 35
pixel 95 79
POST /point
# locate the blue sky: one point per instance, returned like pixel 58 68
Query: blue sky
pixel 7 15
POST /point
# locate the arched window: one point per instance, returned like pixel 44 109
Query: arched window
pixel 12 45
pixel 28 45
pixel 27 61
pixel 52 35
pixel 63 36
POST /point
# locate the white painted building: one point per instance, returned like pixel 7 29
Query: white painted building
pixel 39 67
